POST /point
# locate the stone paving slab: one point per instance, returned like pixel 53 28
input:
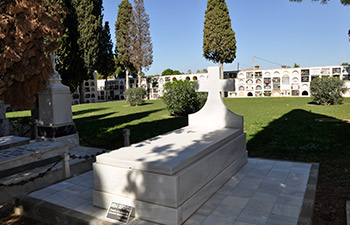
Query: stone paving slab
pixel 12 141
pixel 265 192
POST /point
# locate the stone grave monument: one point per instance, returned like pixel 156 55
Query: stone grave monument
pixel 168 177
pixel 55 112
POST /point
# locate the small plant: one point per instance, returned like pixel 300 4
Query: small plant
pixel 135 96
pixel 327 90
pixel 181 98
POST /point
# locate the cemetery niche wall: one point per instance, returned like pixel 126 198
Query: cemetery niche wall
pixel 168 177
pixel 278 82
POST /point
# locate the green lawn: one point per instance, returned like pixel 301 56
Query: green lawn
pixel 277 128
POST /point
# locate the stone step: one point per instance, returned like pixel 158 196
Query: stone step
pixel 25 154
pixel 78 165
pixel 12 141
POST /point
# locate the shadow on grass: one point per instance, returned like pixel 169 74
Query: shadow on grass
pixel 81 112
pixel 304 136
pixel 99 131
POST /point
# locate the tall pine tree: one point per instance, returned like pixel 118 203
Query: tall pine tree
pixel 107 67
pixel 69 56
pixel 122 35
pixel 219 42
pixel 141 45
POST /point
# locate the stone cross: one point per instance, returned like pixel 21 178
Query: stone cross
pixel 215 113
pixel 214 85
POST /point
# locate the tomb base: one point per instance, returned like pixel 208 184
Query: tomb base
pixel 66 134
pixel 167 183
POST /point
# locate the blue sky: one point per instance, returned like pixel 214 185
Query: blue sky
pixel 307 33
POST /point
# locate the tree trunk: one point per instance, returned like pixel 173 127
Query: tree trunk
pixel 126 79
pixel 106 90
pixel 221 65
pixel 81 92
pixel 139 73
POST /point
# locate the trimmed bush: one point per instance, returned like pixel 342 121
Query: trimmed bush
pixel 135 96
pixel 327 90
pixel 181 98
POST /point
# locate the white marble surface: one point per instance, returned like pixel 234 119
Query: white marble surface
pixel 203 171
pixel 169 215
pixel 215 113
pixel 199 198
pixel 171 152
pixel 145 186
pixel 163 189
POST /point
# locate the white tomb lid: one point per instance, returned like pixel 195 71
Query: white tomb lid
pixel 170 152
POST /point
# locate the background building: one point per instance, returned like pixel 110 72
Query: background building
pixel 280 82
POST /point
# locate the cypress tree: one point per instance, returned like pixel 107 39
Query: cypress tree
pixel 141 45
pixel 122 35
pixel 89 15
pixel 219 42
pixel 70 62
pixel 106 53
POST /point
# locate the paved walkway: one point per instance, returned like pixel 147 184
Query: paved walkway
pixel 263 192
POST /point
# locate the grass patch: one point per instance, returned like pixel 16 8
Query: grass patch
pixel 277 128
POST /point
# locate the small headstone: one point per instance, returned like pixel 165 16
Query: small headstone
pixel 119 212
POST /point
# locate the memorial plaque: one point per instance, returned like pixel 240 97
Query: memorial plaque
pixel 119 212
pixel 304 78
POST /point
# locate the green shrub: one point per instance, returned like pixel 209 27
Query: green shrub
pixel 181 98
pixel 327 90
pixel 135 96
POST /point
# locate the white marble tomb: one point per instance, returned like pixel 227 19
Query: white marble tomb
pixel 168 177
